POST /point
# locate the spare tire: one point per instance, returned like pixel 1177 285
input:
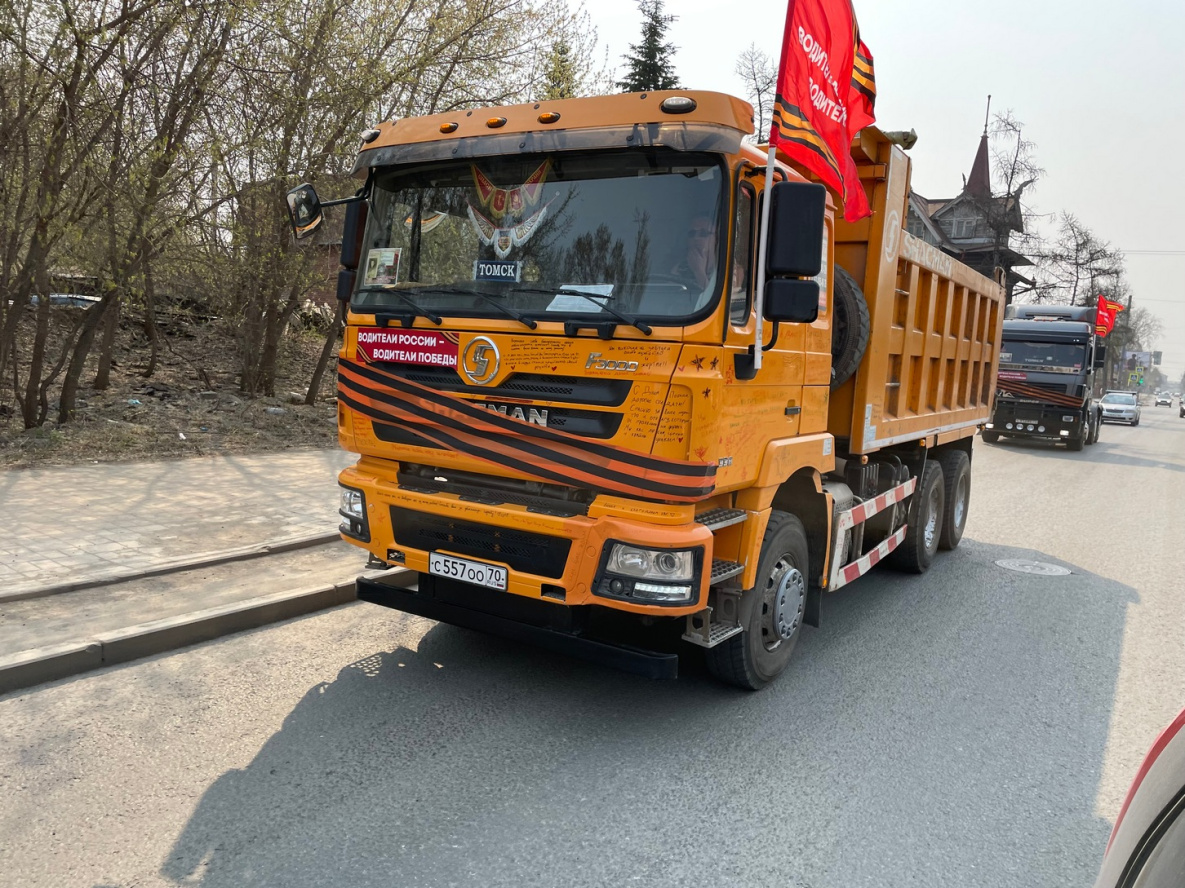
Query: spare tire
pixel 850 327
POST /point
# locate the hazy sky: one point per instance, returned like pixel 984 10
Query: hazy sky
pixel 1099 87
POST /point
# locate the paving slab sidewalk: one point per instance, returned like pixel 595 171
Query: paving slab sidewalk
pixel 104 521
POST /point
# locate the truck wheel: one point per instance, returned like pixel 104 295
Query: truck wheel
pixel 1095 432
pixel 956 489
pixel 755 657
pixel 990 437
pixel 926 512
pixel 1074 442
pixel 850 328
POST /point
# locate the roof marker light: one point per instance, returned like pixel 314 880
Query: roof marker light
pixel 549 117
pixel 495 122
pixel 678 104
pixel 449 127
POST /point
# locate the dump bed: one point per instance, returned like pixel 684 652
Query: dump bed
pixel 929 371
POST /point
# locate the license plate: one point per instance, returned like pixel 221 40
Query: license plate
pixel 489 575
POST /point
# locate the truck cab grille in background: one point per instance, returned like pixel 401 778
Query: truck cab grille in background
pixel 532 553
pixel 541 386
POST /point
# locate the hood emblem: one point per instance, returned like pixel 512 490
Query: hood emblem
pixel 479 361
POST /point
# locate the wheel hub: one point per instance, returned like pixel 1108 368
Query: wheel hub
pixel 789 597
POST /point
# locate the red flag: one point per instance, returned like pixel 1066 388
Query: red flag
pixel 826 92
pixel 1105 316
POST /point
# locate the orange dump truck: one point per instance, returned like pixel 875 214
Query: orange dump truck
pixel 550 373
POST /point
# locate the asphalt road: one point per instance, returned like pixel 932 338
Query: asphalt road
pixel 973 727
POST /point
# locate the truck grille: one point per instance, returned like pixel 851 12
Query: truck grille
pixel 572 389
pixel 533 553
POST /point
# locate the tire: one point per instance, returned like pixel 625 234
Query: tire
pixel 956 490
pixel 1135 422
pixel 1074 443
pixel 850 328
pixel 759 654
pixel 1098 430
pixel 990 437
pixel 926 512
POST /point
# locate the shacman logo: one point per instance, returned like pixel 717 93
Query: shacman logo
pixel 479 362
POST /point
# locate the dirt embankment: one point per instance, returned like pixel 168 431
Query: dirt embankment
pixel 190 406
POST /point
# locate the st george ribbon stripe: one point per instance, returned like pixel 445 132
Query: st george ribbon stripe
pixel 517 445
pixel 1062 400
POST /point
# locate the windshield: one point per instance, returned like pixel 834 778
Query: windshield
pixel 1119 399
pixel 1053 357
pixel 616 235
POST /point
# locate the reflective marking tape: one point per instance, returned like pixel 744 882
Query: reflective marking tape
pixel 863 565
pixel 866 510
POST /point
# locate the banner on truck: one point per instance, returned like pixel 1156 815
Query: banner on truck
pixel 826 92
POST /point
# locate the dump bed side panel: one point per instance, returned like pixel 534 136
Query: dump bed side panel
pixel 930 366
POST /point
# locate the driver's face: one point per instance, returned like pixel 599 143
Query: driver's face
pixel 701 233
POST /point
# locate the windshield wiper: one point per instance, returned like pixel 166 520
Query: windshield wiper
pixel 641 326
pixel 530 323
pixel 412 304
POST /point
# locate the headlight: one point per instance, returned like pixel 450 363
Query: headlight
pixel 650 576
pixel 351 503
pixel 353 512
pixel 650 564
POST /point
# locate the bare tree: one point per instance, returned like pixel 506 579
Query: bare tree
pixel 1076 266
pixel 760 75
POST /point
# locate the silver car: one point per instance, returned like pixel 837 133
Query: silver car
pixel 1121 407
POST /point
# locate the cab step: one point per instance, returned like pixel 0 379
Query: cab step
pixel 714 519
pixel 709 634
pixel 724 570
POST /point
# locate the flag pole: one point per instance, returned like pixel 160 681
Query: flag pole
pixel 762 246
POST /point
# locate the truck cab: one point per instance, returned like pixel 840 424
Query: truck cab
pixel 1046 376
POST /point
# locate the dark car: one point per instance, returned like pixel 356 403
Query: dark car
pixel 1147 844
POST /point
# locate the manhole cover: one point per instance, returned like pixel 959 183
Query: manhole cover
pixel 1040 568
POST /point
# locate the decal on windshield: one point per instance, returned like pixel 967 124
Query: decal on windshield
pixel 507 229
pixel 382 266
pixel 501 270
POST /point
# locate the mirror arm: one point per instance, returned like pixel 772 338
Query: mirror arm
pixel 773 338
pixel 345 200
pixel 361 194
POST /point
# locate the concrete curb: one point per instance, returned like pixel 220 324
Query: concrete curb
pixel 206 559
pixel 39 665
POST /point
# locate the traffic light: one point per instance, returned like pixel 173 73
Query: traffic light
pixel 1141 379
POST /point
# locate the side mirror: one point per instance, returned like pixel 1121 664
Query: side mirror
pixel 791 300
pixel 1100 355
pixel 304 210
pixel 796 219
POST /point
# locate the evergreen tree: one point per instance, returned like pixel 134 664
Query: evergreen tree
pixel 560 78
pixel 648 64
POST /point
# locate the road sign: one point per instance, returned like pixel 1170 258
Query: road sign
pixel 1133 378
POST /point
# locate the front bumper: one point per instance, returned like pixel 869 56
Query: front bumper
pixel 1024 419
pixel 522 620
pixel 1116 416
pixel 550 557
